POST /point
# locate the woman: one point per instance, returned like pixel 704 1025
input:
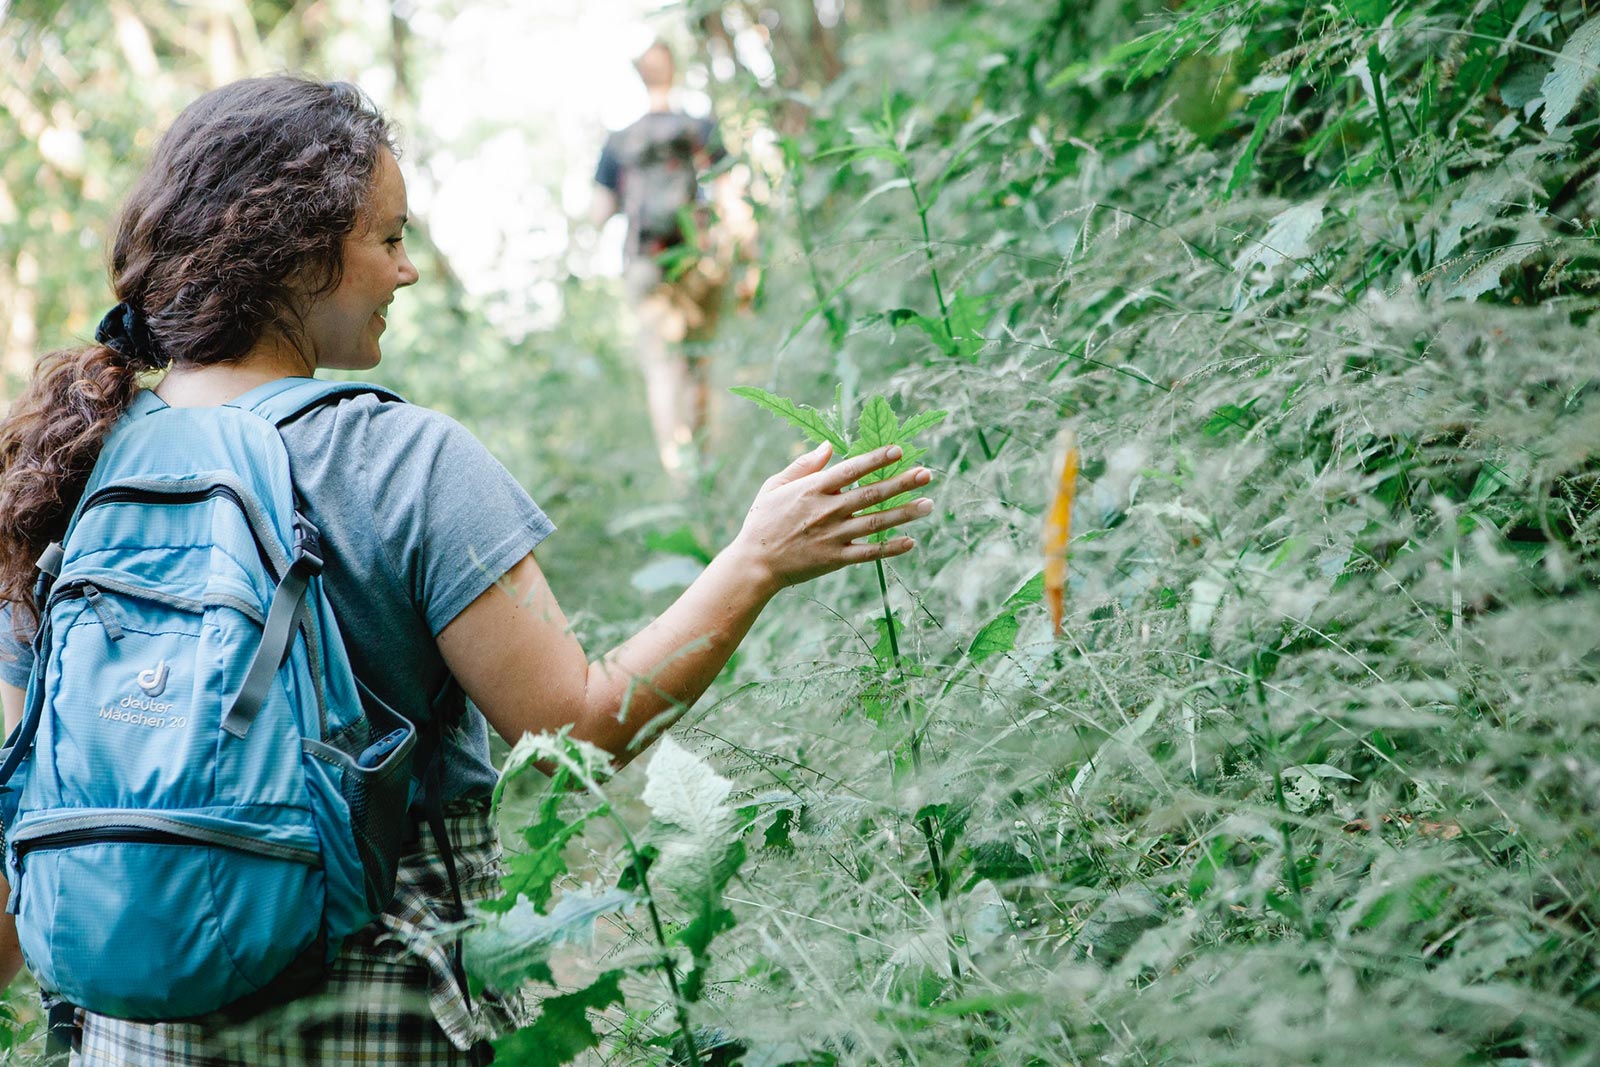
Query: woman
pixel 265 240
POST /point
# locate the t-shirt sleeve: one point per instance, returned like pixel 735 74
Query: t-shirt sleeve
pixel 451 519
pixel 607 171
pixel 16 658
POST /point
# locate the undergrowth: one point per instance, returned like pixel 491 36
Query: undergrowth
pixel 1311 775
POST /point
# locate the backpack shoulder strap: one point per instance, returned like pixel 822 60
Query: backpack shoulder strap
pixel 286 399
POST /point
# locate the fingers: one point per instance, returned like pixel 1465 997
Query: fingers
pixel 866 552
pixel 878 521
pixel 807 464
pixel 878 492
pixel 854 469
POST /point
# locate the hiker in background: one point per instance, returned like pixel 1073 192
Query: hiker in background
pixel 651 173
pixel 265 241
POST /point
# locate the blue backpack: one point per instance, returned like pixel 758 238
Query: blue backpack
pixel 201 800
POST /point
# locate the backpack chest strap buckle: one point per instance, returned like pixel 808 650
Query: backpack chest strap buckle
pixel 308 543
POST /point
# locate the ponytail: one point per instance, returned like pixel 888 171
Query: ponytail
pixel 49 442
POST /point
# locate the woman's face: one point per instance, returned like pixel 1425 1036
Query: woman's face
pixel 343 326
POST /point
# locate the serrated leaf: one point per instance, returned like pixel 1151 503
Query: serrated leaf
pixel 710 919
pixel 996 638
pixel 1483 199
pixel 562 1031
pixel 692 826
pixel 1288 237
pixel 557 749
pixel 876 426
pixel 922 421
pixel 807 420
pixel 509 949
pixel 1480 275
pixel 966 325
pixel 933 327
pixel 531 875
pixel 1571 73
pixel 1028 593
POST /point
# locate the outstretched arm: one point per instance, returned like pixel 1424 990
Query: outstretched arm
pixel 513 653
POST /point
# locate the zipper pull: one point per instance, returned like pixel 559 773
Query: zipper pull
pixel 104 612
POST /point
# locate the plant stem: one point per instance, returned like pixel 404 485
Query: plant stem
pixel 836 328
pixel 1291 867
pixel 938 294
pixel 927 246
pixel 1376 70
pixel 680 1006
pixel 927 823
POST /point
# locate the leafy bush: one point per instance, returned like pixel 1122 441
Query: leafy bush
pixel 1311 775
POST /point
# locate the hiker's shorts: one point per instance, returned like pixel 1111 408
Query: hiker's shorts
pixel 391 998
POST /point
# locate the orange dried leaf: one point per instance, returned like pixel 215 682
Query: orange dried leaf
pixel 1058 528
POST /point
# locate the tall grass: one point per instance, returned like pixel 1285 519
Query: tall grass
pixel 1311 775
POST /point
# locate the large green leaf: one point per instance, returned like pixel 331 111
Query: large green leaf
pixel 532 873
pixel 807 420
pixel 695 833
pixel 507 950
pixel 876 426
pixel 997 637
pixel 563 1031
pixel 1572 72
pixel 692 825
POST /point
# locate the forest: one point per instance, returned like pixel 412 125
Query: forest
pixel 1240 703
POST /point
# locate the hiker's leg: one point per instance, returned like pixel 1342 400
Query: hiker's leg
pixel 666 385
pixel 699 293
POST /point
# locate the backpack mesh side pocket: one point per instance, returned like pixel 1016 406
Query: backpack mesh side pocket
pixel 379 797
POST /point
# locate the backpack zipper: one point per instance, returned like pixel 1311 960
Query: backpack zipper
pixel 77 587
pixel 109 619
pixel 125 494
pixel 149 829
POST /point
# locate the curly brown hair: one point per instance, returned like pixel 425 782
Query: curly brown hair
pixel 236 223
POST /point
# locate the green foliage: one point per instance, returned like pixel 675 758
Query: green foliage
pixel 691 850
pixel 1309 776
pixel 694 833
pixel 817 427
pixel 515 945
pixel 1572 73
pixel 877 426
pixel 1305 778
pixel 563 1030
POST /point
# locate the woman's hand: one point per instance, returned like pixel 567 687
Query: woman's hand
pixel 517 658
pixel 806 520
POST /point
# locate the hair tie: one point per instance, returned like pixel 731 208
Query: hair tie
pixel 125 331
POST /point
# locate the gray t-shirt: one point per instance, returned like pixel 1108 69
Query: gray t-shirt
pixel 417 519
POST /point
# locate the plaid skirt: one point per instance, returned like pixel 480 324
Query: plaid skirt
pixel 390 997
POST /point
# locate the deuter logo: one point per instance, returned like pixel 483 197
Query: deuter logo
pixel 154 680
pixel 146 710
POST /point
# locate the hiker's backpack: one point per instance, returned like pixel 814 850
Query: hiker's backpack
pixel 656 178
pixel 201 800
